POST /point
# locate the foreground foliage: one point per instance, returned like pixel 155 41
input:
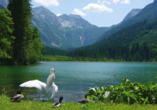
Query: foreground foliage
pixel 19 44
pixel 127 92
pixel 6 104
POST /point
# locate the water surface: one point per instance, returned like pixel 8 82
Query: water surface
pixel 74 78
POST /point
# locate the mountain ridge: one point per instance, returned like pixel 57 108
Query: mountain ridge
pixel 74 21
pixel 53 34
pixel 148 12
pixel 132 13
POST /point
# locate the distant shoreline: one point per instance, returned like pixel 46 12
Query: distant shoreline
pixel 59 58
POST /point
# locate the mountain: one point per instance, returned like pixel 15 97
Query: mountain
pixel 74 21
pixel 133 43
pixel 65 31
pixel 4 3
pixel 1 7
pixel 148 13
pixel 132 14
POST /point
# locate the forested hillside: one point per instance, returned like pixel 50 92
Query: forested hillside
pixel 134 43
pixel 54 51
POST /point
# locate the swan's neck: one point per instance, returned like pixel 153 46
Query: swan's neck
pixel 50 80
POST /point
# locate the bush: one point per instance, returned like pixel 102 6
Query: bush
pixel 127 92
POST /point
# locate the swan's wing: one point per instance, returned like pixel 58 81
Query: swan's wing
pixel 34 83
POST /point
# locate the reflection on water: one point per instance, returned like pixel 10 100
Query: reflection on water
pixel 73 78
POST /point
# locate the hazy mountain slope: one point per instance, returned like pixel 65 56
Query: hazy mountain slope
pixel 139 32
pixel 1 7
pixel 131 14
pixel 4 3
pixel 149 13
pixel 54 33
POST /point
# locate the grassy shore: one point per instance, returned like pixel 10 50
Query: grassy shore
pixel 6 104
pixel 84 59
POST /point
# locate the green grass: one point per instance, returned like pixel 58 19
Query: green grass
pixel 69 58
pixel 84 59
pixel 6 104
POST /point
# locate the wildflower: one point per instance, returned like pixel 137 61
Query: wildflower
pixel 102 88
pixel 107 93
pixel 136 88
pixel 92 90
pixel 127 80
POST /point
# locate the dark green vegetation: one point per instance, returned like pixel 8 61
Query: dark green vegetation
pixel 20 43
pixel 127 92
pixel 6 29
pixel 69 58
pixel 54 51
pixel 133 43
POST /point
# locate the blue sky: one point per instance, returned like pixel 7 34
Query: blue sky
pixel 102 13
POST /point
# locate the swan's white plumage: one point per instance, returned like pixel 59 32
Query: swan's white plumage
pixel 49 88
pixel 36 84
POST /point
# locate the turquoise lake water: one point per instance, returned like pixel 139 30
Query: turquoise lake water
pixel 74 78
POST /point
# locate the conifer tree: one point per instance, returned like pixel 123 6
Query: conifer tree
pixel 21 14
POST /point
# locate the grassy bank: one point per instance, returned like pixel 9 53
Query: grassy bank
pixel 6 104
pixel 84 59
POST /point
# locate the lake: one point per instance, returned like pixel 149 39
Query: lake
pixel 74 78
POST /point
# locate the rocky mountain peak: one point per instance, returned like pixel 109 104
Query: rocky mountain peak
pixel 74 16
pixel 132 13
pixel 73 20
pixel 42 13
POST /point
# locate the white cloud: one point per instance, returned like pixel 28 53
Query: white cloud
pixel 59 14
pixel 96 8
pixel 99 1
pixel 103 1
pixel 78 12
pixel 47 2
pixel 108 2
pixel 115 1
pixel 125 2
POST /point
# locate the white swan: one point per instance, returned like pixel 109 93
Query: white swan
pixel 49 88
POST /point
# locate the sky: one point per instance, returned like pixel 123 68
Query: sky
pixel 102 13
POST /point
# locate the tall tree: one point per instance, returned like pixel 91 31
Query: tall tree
pixel 21 14
pixel 6 28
